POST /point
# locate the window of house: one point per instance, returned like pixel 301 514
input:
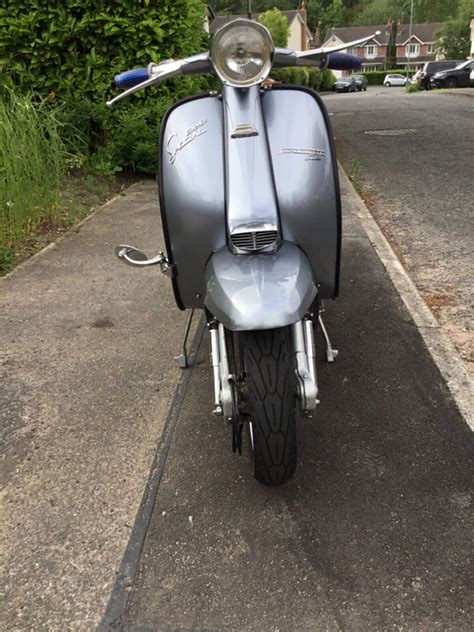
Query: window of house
pixel 413 50
pixel 370 67
pixel 430 49
pixel 371 51
pixel 352 51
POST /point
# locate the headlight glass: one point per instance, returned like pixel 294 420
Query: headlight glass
pixel 242 53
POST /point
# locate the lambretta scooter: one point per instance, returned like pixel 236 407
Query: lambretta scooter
pixel 251 215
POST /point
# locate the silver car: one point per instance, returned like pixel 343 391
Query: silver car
pixel 395 80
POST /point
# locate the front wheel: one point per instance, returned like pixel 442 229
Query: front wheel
pixel 271 388
pixel 387 84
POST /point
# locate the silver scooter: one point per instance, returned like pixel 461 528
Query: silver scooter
pixel 251 214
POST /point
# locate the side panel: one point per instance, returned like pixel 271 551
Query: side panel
pixel 307 186
pixel 192 200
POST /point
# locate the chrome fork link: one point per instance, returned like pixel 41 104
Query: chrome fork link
pixel 310 349
pixel 223 398
pixel 303 348
pixel 225 377
pixel 215 360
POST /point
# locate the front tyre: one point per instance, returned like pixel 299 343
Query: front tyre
pixel 387 84
pixel 271 388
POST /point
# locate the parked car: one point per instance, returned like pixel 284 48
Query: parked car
pixel 395 80
pixel 344 84
pixel 424 75
pixel 460 77
pixel 361 82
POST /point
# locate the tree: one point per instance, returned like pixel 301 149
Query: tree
pixel 434 10
pixel 335 14
pixel 453 39
pixel 277 24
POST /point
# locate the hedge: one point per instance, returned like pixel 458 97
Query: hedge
pixel 311 77
pixel 70 52
pixel 76 46
pixel 376 77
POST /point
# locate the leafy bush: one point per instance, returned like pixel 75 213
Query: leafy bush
pixel 328 78
pixel 376 77
pixel 413 87
pixel 315 78
pixel 76 46
pixel 277 24
pixel 312 77
pixel 70 51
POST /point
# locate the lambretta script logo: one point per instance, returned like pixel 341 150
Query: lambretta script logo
pixel 311 154
pixel 173 145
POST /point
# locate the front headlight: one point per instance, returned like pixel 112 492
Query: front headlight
pixel 242 53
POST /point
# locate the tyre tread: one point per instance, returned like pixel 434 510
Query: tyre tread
pixel 271 388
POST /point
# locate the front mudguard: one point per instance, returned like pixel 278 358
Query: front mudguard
pixel 251 292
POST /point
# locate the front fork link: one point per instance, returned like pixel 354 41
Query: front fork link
pixel 226 384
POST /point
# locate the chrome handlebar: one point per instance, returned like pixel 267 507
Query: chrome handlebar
pixel 195 65
pixel 201 64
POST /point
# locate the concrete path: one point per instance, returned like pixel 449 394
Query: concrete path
pixel 86 379
pixel 373 533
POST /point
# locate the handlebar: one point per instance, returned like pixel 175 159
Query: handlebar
pixel 139 78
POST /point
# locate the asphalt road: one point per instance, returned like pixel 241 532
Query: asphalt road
pixel 414 155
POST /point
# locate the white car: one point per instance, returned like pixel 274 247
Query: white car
pixel 395 80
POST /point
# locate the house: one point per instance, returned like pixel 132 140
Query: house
pixel 300 37
pixel 412 51
pixel 374 52
pixel 418 49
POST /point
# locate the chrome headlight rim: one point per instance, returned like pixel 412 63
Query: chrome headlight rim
pixel 268 65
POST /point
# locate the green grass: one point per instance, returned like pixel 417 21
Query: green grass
pixel 354 176
pixel 33 164
pixel 414 86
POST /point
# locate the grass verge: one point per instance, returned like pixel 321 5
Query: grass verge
pixel 44 187
pixel 80 195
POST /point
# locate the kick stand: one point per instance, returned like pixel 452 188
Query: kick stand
pixel 331 353
pixel 182 358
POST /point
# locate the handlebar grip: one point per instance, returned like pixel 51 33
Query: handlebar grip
pixel 343 61
pixel 130 78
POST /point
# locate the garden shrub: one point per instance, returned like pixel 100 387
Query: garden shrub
pixel 77 46
pixel 328 78
pixel 414 86
pixel 71 50
pixel 312 77
pixel 376 77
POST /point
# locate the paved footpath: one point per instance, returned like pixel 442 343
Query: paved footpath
pixel 373 533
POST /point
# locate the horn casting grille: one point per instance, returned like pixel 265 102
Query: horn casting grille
pixel 254 240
